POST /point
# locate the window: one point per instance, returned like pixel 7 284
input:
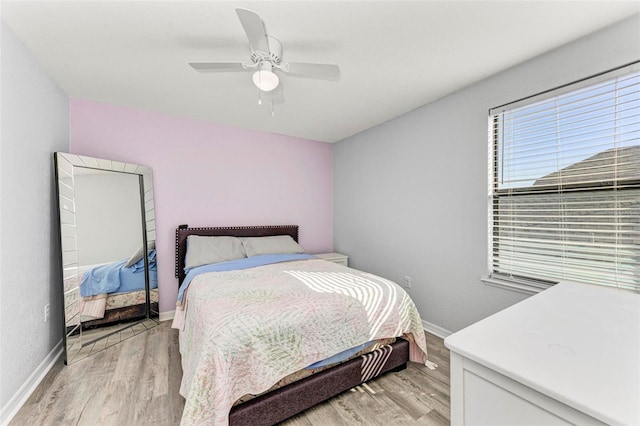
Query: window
pixel 565 185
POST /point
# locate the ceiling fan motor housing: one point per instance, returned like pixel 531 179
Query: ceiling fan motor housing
pixel 274 55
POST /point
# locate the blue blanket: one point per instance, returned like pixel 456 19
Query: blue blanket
pixel 244 263
pixel 115 278
pixel 338 357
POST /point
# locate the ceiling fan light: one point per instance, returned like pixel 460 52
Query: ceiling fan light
pixel 265 79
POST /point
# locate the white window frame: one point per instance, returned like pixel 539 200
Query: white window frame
pixel 522 282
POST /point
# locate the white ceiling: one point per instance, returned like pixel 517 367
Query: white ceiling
pixel 394 55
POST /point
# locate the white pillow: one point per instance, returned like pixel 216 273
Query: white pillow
pixel 203 250
pixel 135 257
pixel 278 244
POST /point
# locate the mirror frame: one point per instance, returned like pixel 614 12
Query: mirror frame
pixel 64 173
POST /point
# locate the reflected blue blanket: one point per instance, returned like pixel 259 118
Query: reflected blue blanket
pixel 115 278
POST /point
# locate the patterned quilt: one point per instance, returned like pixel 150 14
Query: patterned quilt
pixel 244 330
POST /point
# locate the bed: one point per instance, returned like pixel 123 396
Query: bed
pixel 109 293
pixel 227 380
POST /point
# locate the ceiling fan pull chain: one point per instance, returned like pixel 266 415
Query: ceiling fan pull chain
pixel 259 96
pixel 259 82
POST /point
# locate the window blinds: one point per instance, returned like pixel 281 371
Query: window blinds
pixel 565 185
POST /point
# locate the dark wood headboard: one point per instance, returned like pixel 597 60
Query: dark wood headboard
pixel 183 231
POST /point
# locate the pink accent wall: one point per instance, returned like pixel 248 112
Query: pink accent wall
pixel 206 174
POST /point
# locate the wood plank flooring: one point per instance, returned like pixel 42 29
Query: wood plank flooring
pixel 137 383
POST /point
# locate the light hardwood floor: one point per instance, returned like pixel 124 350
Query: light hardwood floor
pixel 137 383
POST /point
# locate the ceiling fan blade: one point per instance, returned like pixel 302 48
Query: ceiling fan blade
pixel 324 71
pixel 217 66
pixel 254 28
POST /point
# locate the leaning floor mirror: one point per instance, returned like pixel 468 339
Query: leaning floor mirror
pixel 107 238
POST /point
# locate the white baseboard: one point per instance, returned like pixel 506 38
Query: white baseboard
pixel 435 329
pixel 167 316
pixel 20 397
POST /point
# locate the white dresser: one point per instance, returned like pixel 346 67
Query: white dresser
pixel 338 258
pixel 568 355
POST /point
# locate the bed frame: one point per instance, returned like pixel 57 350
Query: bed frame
pixel 287 401
pixel 121 315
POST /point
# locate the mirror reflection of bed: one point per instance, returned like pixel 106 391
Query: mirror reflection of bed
pixel 109 259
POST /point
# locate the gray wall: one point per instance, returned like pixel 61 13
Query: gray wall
pixel 35 123
pixel 411 195
pixel 108 216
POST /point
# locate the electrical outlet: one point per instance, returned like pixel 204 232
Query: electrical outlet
pixel 47 311
pixel 407 281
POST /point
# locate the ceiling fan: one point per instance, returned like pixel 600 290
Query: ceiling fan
pixel 265 59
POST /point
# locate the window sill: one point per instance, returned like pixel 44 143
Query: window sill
pixel 517 286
